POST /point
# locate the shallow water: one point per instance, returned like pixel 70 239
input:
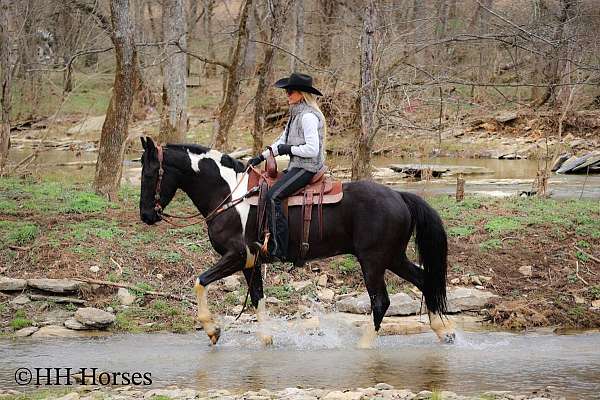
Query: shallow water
pixel 329 359
pixel 509 177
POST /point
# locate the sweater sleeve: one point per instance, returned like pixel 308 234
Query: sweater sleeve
pixel 280 140
pixel 310 125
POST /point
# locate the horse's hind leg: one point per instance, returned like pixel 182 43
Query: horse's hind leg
pixel 405 269
pixel 255 284
pixel 373 274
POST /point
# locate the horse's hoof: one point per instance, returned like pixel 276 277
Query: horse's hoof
pixel 449 338
pixel 214 335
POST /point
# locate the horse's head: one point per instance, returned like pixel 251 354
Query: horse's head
pixel 156 190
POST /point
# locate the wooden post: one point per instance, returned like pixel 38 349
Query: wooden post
pixel 460 188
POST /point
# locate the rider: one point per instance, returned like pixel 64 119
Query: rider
pixel 302 140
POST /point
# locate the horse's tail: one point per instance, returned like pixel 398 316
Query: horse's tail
pixel 432 245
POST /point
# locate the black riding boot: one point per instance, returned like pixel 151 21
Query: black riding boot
pixel 290 182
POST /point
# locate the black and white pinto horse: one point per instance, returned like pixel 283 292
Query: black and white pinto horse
pixel 372 222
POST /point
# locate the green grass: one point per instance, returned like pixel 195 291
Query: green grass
pixel 347 264
pixel 594 292
pixel 95 228
pixel 461 231
pixel 498 225
pixel 281 292
pixel 162 314
pixel 491 244
pixel 18 233
pixel 20 320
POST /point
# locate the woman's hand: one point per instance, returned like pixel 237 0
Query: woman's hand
pixel 254 161
pixel 284 149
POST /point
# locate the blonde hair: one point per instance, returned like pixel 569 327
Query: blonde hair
pixel 311 100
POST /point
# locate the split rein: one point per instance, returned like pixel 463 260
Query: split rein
pixel 223 205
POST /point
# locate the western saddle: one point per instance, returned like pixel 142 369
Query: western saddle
pixel 322 189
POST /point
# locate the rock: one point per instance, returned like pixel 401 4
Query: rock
pixel 596 304
pixel 325 294
pixel 70 396
pixel 272 300
pixel 125 298
pixel 423 394
pixel 89 124
pixel 455 281
pixel 399 394
pixel 20 300
pixel 322 281
pixel 72 323
pixel 465 299
pixel 54 285
pixel 231 283
pixel 159 276
pixel 355 305
pixel 383 386
pixel 496 394
pixel 94 317
pixel 173 393
pixel 579 164
pixel 338 395
pixel 400 304
pixel 12 284
pixel 476 281
pixel 578 299
pixel 403 304
pixel 26 331
pixel 300 285
pixel 61 331
pixel 95 269
pixel 559 161
pixel 526 270
pixel 506 117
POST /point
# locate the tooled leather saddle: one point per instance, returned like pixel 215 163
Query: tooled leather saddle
pixel 322 189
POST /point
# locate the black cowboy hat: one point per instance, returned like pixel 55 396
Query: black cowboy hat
pixel 301 82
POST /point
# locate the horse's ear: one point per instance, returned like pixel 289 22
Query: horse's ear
pixel 143 140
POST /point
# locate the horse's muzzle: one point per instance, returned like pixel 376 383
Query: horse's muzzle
pixel 149 217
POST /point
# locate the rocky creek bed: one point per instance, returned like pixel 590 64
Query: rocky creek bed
pixel 381 391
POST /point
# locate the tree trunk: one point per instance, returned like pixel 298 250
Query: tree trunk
pixel 276 21
pixel 109 166
pixel 231 95
pixel 210 70
pixel 299 35
pixel 328 10
pixel 361 160
pixel 250 54
pixel 174 121
pixel 6 70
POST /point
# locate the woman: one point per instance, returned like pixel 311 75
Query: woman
pixel 302 140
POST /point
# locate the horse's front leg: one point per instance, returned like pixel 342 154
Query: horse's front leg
pixel 230 263
pixel 255 285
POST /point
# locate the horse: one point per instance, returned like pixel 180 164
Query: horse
pixel 372 222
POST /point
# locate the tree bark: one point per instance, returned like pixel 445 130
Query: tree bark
pixel 6 69
pixel 231 95
pixel 113 138
pixel 276 21
pixel 299 35
pixel 174 121
pixel 328 10
pixel 250 53
pixel 361 160
pixel 210 70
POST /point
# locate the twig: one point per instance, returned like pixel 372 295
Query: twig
pixel 577 273
pixel 587 254
pixel 132 287
pixel 12 247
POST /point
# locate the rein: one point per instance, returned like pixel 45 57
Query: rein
pixel 223 206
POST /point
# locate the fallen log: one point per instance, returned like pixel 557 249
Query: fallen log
pixel 133 287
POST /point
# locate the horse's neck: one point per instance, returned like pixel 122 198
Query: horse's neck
pixel 205 196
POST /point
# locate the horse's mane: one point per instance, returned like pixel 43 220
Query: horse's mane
pixel 226 159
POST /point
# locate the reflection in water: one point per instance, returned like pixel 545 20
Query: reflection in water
pixel 478 362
